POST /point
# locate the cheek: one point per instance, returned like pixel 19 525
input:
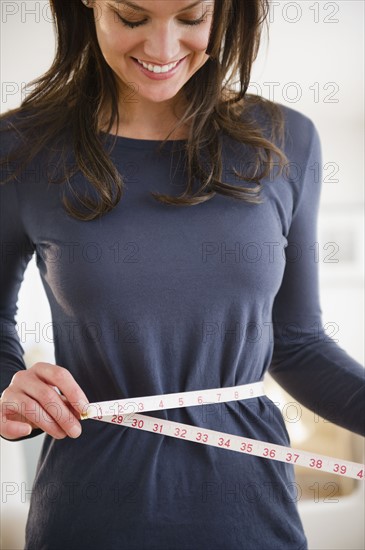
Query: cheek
pixel 111 40
pixel 199 41
pixel 199 47
pixel 112 45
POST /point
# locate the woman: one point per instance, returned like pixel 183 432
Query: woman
pixel 151 298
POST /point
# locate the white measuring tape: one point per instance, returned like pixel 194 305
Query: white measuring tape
pixel 123 412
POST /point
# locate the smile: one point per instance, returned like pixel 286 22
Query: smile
pixel 157 69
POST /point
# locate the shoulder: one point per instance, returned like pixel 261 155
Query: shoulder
pixel 299 132
pixel 11 120
pixel 10 131
pixel 296 120
pixel 25 137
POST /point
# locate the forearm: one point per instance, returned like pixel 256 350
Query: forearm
pixel 325 379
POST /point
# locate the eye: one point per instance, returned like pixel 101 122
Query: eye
pixel 132 24
pixel 194 22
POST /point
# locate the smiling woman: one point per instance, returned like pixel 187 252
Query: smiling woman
pixel 166 45
pixel 97 87
pixel 148 299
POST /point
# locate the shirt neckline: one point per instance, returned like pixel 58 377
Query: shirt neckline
pixel 137 143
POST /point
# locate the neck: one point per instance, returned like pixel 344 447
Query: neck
pixel 147 120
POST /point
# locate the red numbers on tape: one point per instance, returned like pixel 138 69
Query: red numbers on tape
pixel 246 447
pixel 102 411
pixel 222 442
pixel 137 423
pixel 236 443
pixel 269 452
pixel 291 457
pixel 157 428
pixel 116 419
pixel 338 468
pixel 202 437
pixel 313 463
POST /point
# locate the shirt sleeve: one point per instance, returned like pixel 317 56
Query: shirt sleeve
pixel 306 362
pixel 16 252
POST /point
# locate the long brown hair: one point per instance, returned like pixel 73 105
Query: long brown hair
pixel 67 101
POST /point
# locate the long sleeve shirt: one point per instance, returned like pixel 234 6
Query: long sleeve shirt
pixel 153 299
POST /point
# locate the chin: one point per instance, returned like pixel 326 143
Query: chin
pixel 159 97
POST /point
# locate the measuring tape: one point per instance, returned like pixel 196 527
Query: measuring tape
pixel 123 412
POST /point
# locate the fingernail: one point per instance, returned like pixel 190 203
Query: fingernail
pixel 26 430
pixel 75 431
pixel 83 405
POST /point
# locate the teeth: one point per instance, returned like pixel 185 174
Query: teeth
pixel 157 68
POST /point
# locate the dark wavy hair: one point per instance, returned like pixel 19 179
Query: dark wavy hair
pixel 64 106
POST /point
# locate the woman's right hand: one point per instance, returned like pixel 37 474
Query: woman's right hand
pixel 32 401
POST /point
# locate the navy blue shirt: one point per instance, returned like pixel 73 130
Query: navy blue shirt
pixel 152 299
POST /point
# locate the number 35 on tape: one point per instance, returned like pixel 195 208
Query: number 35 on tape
pixel 122 412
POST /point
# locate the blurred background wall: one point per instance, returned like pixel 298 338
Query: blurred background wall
pixel 313 62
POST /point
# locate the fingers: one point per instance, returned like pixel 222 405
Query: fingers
pixel 65 382
pixel 14 430
pixel 12 424
pixel 48 417
pixel 33 400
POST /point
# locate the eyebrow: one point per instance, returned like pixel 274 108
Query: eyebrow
pixel 139 8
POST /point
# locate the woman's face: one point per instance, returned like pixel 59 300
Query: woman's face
pixel 158 33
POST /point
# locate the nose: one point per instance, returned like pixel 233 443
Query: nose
pixel 163 44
